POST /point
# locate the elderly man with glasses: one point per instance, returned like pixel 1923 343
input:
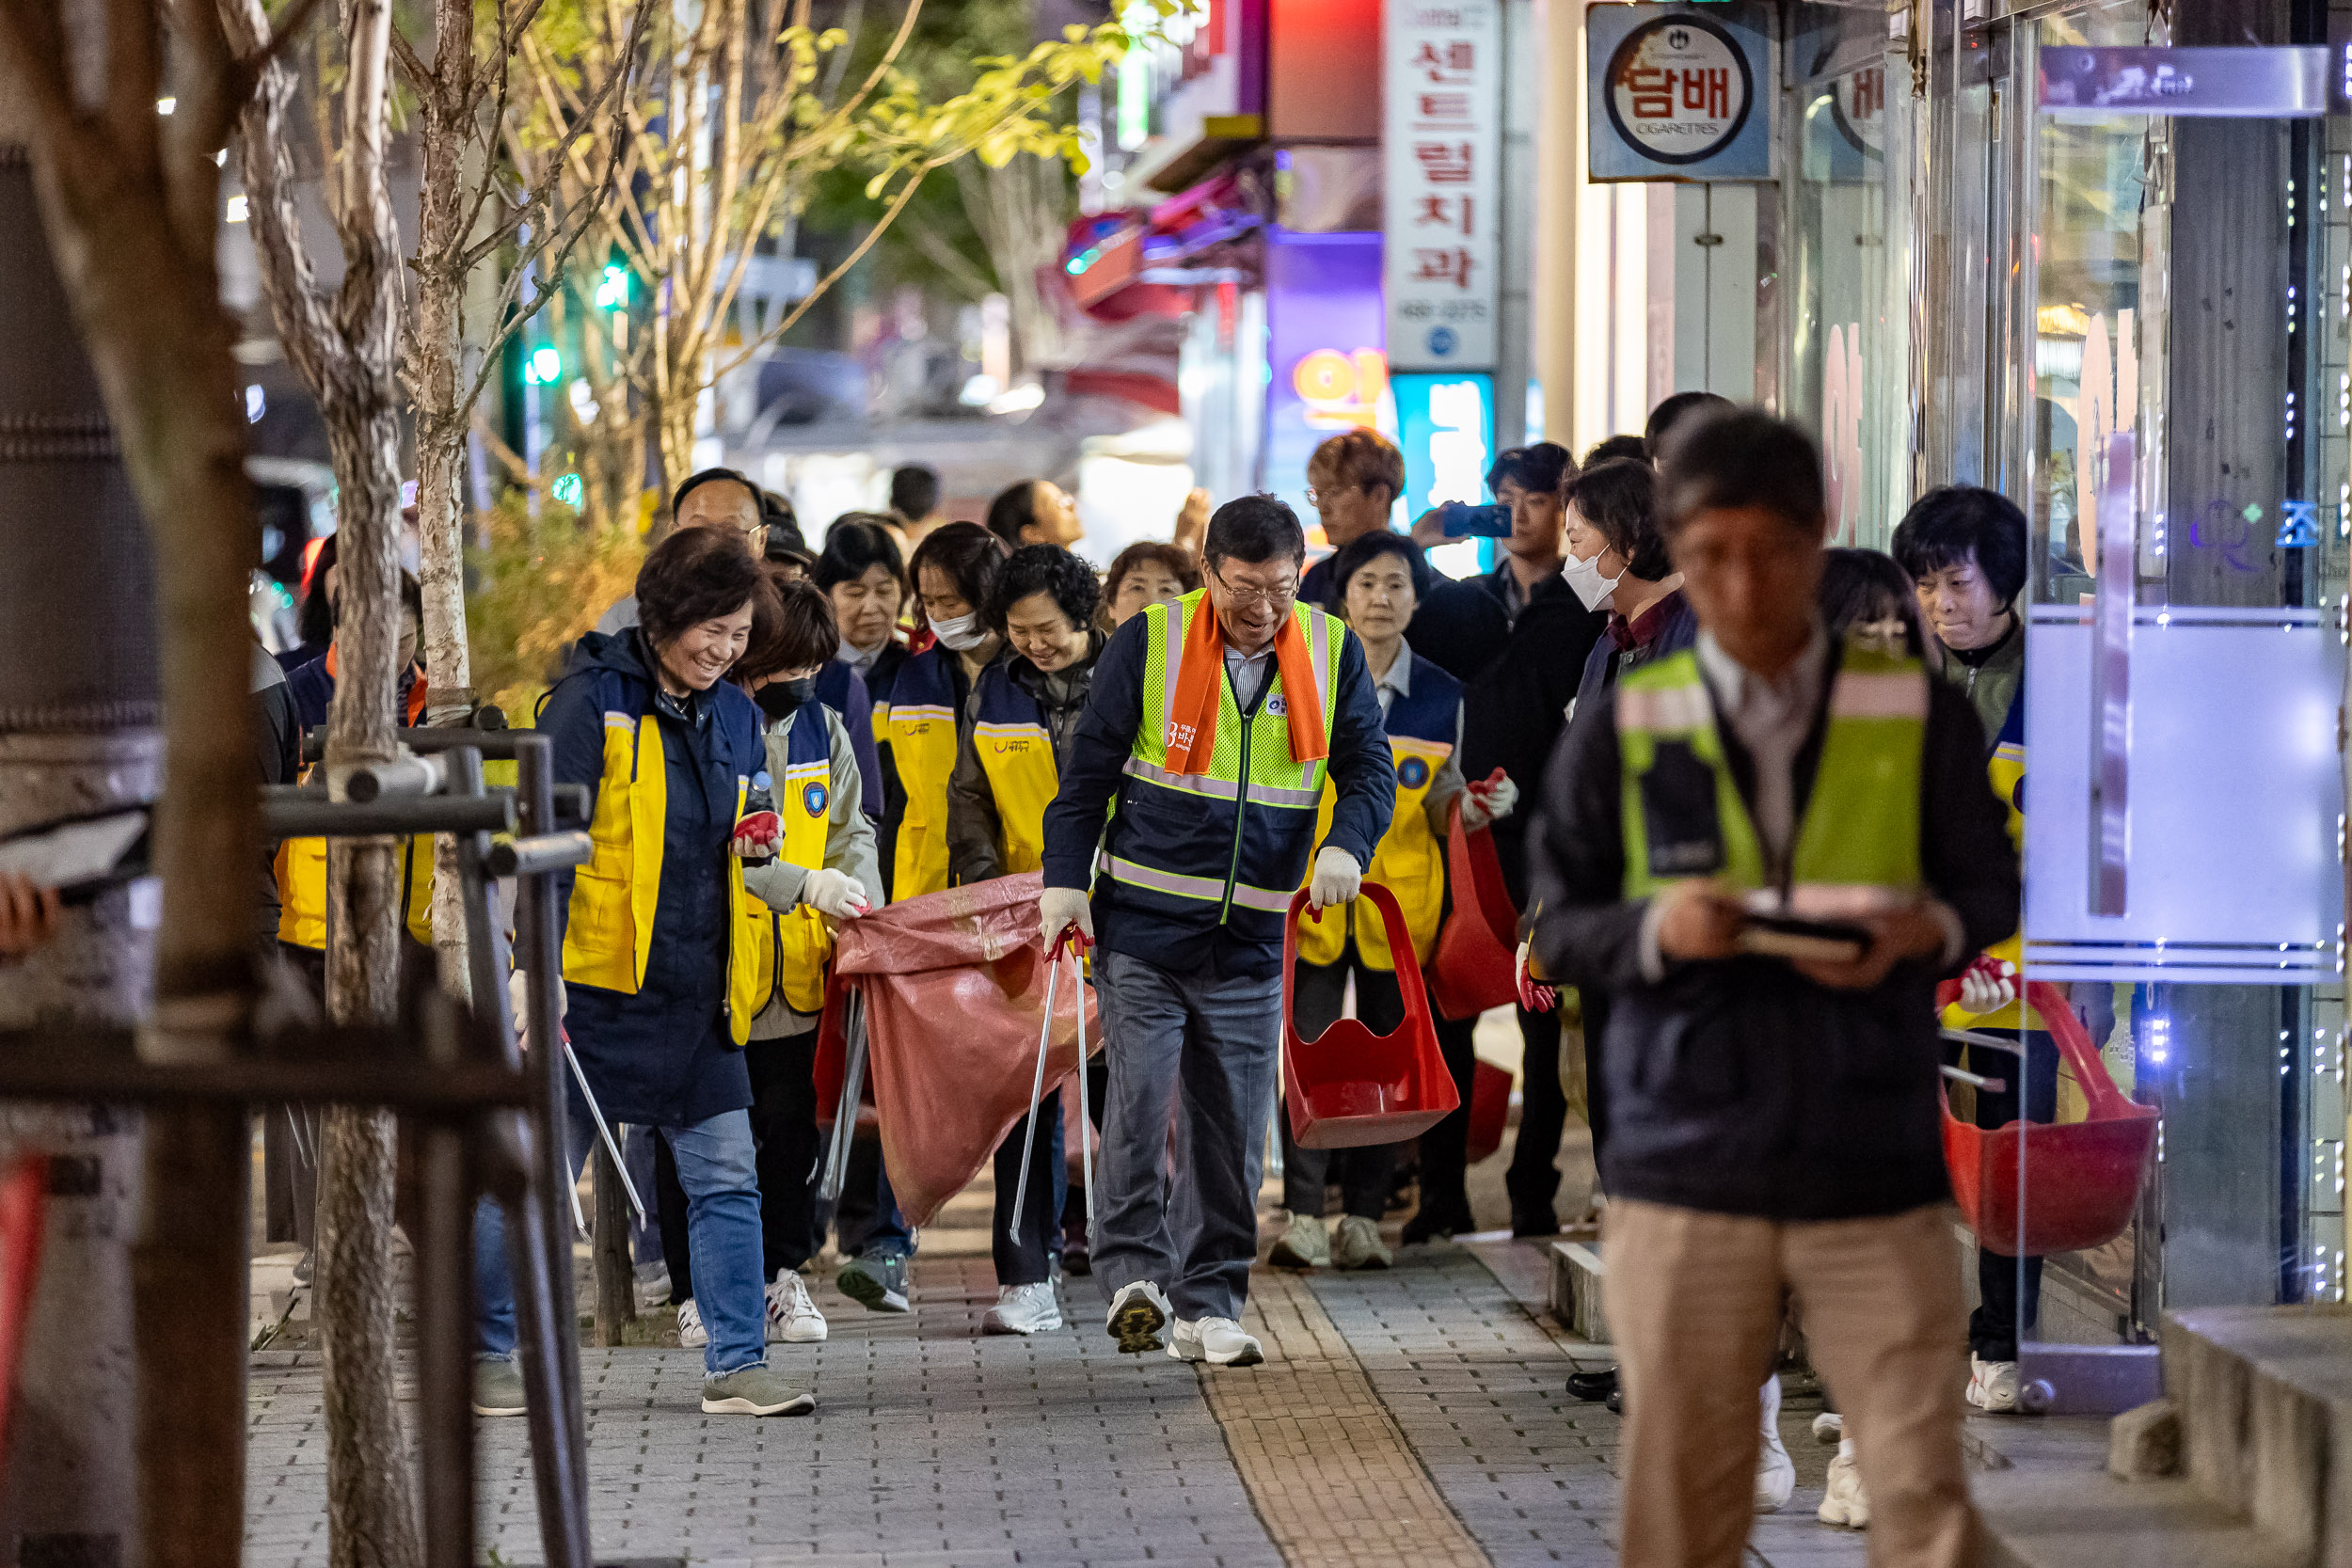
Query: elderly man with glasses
pixel 1188 805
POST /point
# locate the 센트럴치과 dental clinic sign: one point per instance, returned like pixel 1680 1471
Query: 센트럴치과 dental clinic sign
pixel 1678 92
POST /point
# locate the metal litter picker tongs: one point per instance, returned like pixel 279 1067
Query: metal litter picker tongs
pixel 1074 944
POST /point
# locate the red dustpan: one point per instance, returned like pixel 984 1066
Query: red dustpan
pixel 1349 1086
pixel 1474 967
pixel 2082 1177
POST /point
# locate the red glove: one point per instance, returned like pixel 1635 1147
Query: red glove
pixel 1488 800
pixel 1535 996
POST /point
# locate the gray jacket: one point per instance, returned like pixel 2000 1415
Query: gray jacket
pixel 848 850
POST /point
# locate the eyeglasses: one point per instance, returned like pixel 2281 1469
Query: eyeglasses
pixel 1318 494
pixel 1274 599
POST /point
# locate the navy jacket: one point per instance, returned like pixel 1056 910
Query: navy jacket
pixel 1739 1087
pixel 1246 944
pixel 663 1056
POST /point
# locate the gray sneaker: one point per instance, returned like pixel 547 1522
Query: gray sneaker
pixel 876 1281
pixel 1305 1244
pixel 497 1388
pixel 753 1390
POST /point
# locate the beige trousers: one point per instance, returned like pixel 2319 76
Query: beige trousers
pixel 1694 1301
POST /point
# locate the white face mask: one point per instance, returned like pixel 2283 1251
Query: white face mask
pixel 1591 587
pixel 960 633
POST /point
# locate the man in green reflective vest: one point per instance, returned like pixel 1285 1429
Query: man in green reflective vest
pixel 1187 804
pixel 1768 849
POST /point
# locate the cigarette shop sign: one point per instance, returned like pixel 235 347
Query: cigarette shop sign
pixel 1678 92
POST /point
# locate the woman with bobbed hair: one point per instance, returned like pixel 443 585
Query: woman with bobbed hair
pixel 1144 574
pixel 1023 708
pixel 662 960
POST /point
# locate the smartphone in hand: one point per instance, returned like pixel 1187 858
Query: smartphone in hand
pixel 1789 936
pixel 1462 520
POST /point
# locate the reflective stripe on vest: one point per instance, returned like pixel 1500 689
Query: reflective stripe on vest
pixel 1250 767
pixel 1409 860
pixel 1016 755
pixel 1857 846
pixel 614 896
pixel 919 726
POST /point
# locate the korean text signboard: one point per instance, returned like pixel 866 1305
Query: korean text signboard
pixel 1677 92
pixel 1442 148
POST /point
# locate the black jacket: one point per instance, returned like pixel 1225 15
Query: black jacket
pixel 1738 1086
pixel 1244 943
pixel 1513 711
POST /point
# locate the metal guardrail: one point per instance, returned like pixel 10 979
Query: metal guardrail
pixel 489 1117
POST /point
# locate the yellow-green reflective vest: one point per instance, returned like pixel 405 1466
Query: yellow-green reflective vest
pixel 1240 835
pixel 1857 845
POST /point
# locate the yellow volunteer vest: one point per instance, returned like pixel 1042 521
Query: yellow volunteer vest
pixel 1016 756
pixel 615 894
pixel 919 726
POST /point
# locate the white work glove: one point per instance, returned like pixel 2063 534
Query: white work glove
pixel 1988 984
pixel 1337 877
pixel 1058 908
pixel 1488 800
pixel 833 892
pixel 519 995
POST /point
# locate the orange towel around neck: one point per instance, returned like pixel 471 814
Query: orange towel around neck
pixel 1192 737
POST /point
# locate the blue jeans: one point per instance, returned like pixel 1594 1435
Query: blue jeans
pixel 715 1167
pixel 1205 1044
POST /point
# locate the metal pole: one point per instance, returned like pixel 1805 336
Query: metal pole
pixel 543 1251
pixel 1037 1092
pixel 596 1113
pixel 445 1317
pixel 1086 1117
pixel 845 1113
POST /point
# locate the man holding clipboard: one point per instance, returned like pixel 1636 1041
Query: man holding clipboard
pixel 1768 849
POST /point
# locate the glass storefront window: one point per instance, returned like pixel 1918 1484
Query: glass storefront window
pixel 1849 325
pixel 2087 325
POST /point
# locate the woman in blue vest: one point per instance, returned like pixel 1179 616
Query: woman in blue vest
pixel 661 946
pixel 1421 707
pixel 1024 707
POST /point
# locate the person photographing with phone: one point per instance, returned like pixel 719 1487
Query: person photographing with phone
pixel 1768 848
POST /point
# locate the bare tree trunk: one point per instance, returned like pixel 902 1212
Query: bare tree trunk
pixel 345 347
pixel 130 204
pixel 616 1281
pixel 435 370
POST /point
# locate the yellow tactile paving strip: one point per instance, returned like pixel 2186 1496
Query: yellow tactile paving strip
pixel 1329 1472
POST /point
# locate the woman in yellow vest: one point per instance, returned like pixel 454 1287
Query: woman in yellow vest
pixel 824 872
pixel 927 707
pixel 1373 577
pixel 1024 707
pixel 667 959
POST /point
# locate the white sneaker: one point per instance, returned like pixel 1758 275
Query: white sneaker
pixel 1220 1341
pixel 653 1286
pixel 690 1333
pixel 1845 1504
pixel 1023 1309
pixel 1138 1314
pixel 1776 1472
pixel 792 1318
pixel 1829 1428
pixel 1356 1245
pixel 1992 1385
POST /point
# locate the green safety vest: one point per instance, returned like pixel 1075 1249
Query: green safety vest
pixel 1857 843
pixel 1270 799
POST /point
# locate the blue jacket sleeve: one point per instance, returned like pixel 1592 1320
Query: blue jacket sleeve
pixel 575 725
pixel 1096 758
pixel 859 722
pixel 1363 768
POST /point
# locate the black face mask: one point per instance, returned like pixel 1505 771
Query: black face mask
pixel 781 700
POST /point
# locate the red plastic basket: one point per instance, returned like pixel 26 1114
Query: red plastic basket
pixel 1349 1086
pixel 1475 965
pixel 2082 1177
